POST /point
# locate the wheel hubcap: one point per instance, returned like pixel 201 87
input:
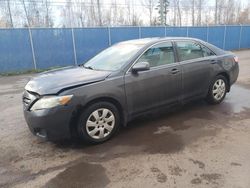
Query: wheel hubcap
pixel 219 89
pixel 100 123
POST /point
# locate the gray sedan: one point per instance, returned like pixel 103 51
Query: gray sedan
pixel 126 80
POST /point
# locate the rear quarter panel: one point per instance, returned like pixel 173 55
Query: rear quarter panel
pixel 226 64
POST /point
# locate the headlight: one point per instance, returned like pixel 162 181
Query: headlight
pixel 50 102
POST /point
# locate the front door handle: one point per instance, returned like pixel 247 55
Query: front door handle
pixel 213 61
pixel 174 71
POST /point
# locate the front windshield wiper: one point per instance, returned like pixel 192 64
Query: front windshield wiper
pixel 88 67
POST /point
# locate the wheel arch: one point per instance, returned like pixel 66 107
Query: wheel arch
pixel 226 75
pixel 80 108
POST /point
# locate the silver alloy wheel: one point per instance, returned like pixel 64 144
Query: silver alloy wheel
pixel 100 123
pixel 219 89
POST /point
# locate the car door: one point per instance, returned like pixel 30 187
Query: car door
pixel 159 85
pixel 197 68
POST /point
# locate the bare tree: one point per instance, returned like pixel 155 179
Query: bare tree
pixel 207 17
pixel 93 12
pixel 116 15
pixel 99 12
pixel 179 12
pixel 177 20
pixel 81 14
pixel 6 14
pixel 10 14
pixel 216 12
pixel 229 15
pixel 174 12
pixel 149 5
pixel 79 11
pixel 200 5
pixel 121 16
pixel 2 23
pixel 193 10
pixel 129 12
pixel 116 12
pixel 26 13
pixel 244 17
pixel 48 17
pixel 199 12
pixel 37 14
pixel 87 13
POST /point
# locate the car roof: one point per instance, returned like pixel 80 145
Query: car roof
pixel 150 41
pixel 145 41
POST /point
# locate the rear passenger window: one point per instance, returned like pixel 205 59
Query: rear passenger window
pixel 160 54
pixel 189 50
pixel 207 52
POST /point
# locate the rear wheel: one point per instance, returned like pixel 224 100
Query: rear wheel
pixel 98 122
pixel 217 90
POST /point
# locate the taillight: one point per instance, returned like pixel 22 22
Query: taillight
pixel 236 59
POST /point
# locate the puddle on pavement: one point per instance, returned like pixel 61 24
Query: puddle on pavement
pixel 80 175
pixel 10 175
pixel 207 178
pixel 237 100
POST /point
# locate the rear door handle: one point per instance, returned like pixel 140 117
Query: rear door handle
pixel 213 61
pixel 174 71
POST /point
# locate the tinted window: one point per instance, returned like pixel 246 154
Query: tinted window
pixel 160 54
pixel 189 50
pixel 207 52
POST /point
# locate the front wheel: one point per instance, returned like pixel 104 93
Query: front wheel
pixel 217 90
pixel 98 122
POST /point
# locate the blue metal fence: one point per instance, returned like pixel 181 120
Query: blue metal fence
pixel 26 49
pixel 89 41
pixel 15 50
pixel 53 47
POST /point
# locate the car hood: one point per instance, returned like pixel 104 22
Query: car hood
pixel 52 82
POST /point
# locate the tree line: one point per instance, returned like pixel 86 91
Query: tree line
pixel 92 13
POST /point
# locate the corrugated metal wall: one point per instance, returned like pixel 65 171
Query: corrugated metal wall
pixel 25 49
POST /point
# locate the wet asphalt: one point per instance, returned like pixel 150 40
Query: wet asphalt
pixel 195 145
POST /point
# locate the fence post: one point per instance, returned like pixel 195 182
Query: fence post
pixel 207 32
pixel 224 39
pixel 165 31
pixel 240 36
pixel 74 45
pixel 32 48
pixel 109 36
pixel 139 30
pixel 187 31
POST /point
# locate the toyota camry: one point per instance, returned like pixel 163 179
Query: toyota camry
pixel 91 101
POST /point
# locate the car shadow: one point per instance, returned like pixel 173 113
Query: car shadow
pixel 169 130
pixel 162 131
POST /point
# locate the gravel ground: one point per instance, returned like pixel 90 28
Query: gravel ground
pixel 196 145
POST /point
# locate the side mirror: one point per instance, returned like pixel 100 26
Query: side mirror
pixel 141 66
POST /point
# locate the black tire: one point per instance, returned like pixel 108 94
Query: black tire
pixel 211 99
pixel 82 122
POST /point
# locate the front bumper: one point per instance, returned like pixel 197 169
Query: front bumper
pixel 50 124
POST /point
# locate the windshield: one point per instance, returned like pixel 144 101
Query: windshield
pixel 113 58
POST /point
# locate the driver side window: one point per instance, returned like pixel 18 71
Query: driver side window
pixel 160 54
